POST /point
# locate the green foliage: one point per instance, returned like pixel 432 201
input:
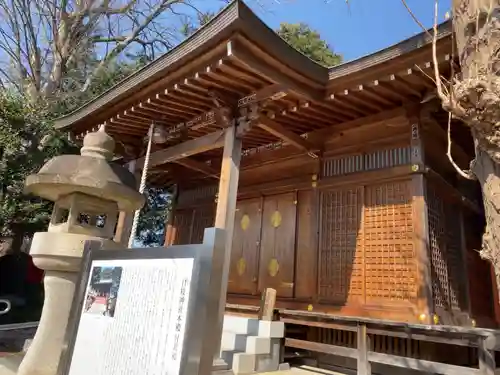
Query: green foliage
pixel 309 42
pixel 27 141
pixel 151 228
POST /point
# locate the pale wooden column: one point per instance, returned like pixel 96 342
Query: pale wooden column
pixel 224 217
pixel 170 229
pixel 125 219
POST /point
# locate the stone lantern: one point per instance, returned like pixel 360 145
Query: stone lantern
pixel 88 192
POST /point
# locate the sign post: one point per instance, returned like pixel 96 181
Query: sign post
pixel 145 311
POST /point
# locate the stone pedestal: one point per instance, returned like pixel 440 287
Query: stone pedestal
pixel 59 255
pixel 45 350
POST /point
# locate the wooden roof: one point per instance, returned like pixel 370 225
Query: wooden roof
pixel 236 57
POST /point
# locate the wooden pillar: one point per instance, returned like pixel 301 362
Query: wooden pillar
pixel 125 219
pixel 224 217
pixel 364 366
pixel 425 304
pixel 170 229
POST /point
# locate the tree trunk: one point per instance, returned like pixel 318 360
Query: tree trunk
pixel 476 101
pixel 488 175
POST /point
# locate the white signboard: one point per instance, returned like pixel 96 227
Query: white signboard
pixel 134 317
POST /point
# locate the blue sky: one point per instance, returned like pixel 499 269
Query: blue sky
pixel 363 27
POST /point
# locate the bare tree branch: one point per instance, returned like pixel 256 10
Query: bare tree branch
pixel 49 45
pixel 465 174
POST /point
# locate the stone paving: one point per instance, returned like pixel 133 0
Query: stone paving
pixel 302 370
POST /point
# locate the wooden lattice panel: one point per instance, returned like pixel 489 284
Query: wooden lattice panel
pixel 191 197
pixel 204 217
pixel 439 270
pixel 182 224
pixel 390 264
pixel 456 269
pixel 341 258
pixel 446 253
pixel 362 162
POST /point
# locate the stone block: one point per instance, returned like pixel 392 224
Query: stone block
pixel 233 341
pixel 241 325
pixel 270 362
pixel 227 356
pixel 284 367
pixel 258 345
pixel 271 329
pixel 243 363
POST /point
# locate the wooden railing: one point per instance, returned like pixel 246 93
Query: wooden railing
pixel 485 340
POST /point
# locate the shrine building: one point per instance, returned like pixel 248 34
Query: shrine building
pixel 333 183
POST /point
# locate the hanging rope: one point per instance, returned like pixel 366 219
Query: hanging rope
pixel 142 186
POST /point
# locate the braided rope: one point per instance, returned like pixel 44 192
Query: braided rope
pixel 142 186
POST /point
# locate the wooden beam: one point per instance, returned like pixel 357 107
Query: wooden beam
pixel 324 135
pixel 364 367
pixel 271 92
pixel 198 166
pixel 183 150
pixel 279 131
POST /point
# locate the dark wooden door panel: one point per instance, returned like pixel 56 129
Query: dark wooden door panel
pixel 245 249
pixel 277 255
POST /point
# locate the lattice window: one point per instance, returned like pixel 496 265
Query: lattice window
pixel 182 225
pixel 388 242
pixel 437 238
pixel 200 194
pixel 447 258
pixel 379 159
pixel 387 158
pixel 456 269
pixel 204 218
pixel 343 165
pixel 341 272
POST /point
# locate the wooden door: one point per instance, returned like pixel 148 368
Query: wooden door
pixel 277 253
pixel 245 249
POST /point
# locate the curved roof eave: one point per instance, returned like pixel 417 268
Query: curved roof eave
pixel 389 53
pixel 213 31
pixel 234 17
pixel 238 17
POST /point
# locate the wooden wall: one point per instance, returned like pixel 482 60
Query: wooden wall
pixel 344 233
